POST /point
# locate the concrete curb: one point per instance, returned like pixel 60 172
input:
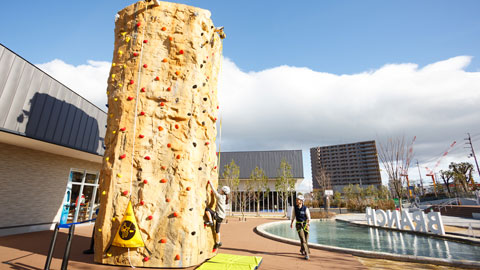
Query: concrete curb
pixel 368 254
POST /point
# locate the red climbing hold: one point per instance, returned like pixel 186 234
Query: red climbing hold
pixel 145 181
pixel 218 107
pixel 215 167
pixel 163 180
pixel 177 73
pixel 162 104
pixel 180 52
pixel 164 28
pixel 150 217
pixel 167 200
pixel 132 82
pixel 147 157
pixel 142 202
pixel 214 250
pixel 175 214
pixel 176 126
pixel 164 167
pixel 130 98
pixel 141 136
pixel 125 193
pixel 145 66
pixel 215 119
pixel 177 257
pixel 135 54
pixel 123 129
pixel 169 145
pixel 157 78
pixel 123 156
pixel 145 41
pixel 178 156
pixel 142 113
pixel 163 240
pixel 146 259
pixel 169 89
pixel 188 188
pixel 207 143
pixel 142 90
pixel 138 24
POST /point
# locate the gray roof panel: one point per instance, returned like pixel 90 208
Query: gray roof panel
pixel 269 161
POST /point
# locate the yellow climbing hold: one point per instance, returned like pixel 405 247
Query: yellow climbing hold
pixel 120 52
pixel 108 92
pixel 107 158
pixel 111 115
pixel 113 64
pixel 113 76
pixel 124 65
pixel 119 175
pixel 114 131
pixel 113 218
pixel 120 85
pixel 124 33
pixel 115 99
pixel 109 254
pixel 99 230
pixel 127 39
pixel 104 192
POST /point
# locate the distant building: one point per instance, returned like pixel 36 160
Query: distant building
pixel 269 162
pixel 353 163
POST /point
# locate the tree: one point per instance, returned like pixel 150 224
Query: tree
pixel 324 179
pixel 231 174
pixel 446 177
pixel 284 183
pixel 462 174
pixel 246 197
pixel 259 181
pixel 396 155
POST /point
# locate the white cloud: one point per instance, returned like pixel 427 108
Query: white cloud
pixel 89 80
pixel 298 108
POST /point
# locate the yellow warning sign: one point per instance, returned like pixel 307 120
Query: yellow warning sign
pixel 128 234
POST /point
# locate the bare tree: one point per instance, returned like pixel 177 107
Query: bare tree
pixel 259 182
pixel 285 183
pixel 245 197
pixel 324 179
pixel 395 155
pixel 231 174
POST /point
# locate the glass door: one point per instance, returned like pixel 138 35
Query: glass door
pixel 80 197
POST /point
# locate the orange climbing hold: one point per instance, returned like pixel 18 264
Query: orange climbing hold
pixel 177 127
pixel 169 145
pixel 147 157
pixel 177 257
pixel 178 156
pixel 169 89
pixel 123 156
pixel 170 38
pixel 167 200
pixel 162 104
pixel 164 168
pixel 163 240
pixel 188 188
pixel 175 214
pixel 177 73
pixel 163 180
pixel 164 60
pixel 164 28
pixel 160 128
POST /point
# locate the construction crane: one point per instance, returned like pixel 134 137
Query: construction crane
pixel 431 173
pixel 404 171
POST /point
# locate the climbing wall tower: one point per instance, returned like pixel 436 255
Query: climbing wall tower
pixel 160 142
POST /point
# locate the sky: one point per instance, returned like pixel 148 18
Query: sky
pixel 298 74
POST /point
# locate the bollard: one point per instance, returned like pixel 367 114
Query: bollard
pixel 91 250
pixel 66 255
pixel 52 247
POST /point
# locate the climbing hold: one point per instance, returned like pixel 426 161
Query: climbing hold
pixel 178 156
pixel 107 158
pixel 157 78
pixel 141 136
pixel 146 259
pixel 138 24
pixel 164 60
pixel 142 113
pixel 111 115
pixel 135 54
pixel 163 240
pixel 167 200
pixel 145 65
pixel 188 188
pixel 120 52
pixel 163 180
pixel 119 175
pixel 113 64
pixel 207 143
pixel 113 218
pixel 218 107
pixel 177 257
pixel 147 157
pixel 204 99
pixel 215 167
pixel 114 131
pixel 127 39
pixel 145 41
pixel 99 229
pixel 142 202
pixel 176 126
pixel 142 90
pixel 194 86
pixel 160 128
pixel 123 156
pixel 145 181
pixel 124 65
pixel 115 99
pixel 162 104
pixel 130 98
pixel 214 250
pixel 113 76
pixel 123 129
pixel 175 214
pixel 150 217
pixel 193 233
pixel 215 119
pixel 169 89
pixel 164 28
pixel 125 193
pixel 180 52
pixel 164 167
pixel 104 192
pixel 132 82
pixel 194 144
pixel 177 73
pixel 109 254
pixel 170 38
pixel 169 145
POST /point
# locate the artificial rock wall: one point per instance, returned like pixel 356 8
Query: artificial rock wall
pixel 160 141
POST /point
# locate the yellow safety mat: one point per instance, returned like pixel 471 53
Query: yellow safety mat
pixel 231 262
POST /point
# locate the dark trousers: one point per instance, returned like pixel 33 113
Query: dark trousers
pixel 303 235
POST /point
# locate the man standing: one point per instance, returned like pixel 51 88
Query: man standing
pixel 301 214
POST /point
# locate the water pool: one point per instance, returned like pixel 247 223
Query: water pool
pixel 345 235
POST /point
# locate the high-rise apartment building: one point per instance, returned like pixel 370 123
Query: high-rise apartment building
pixel 344 164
